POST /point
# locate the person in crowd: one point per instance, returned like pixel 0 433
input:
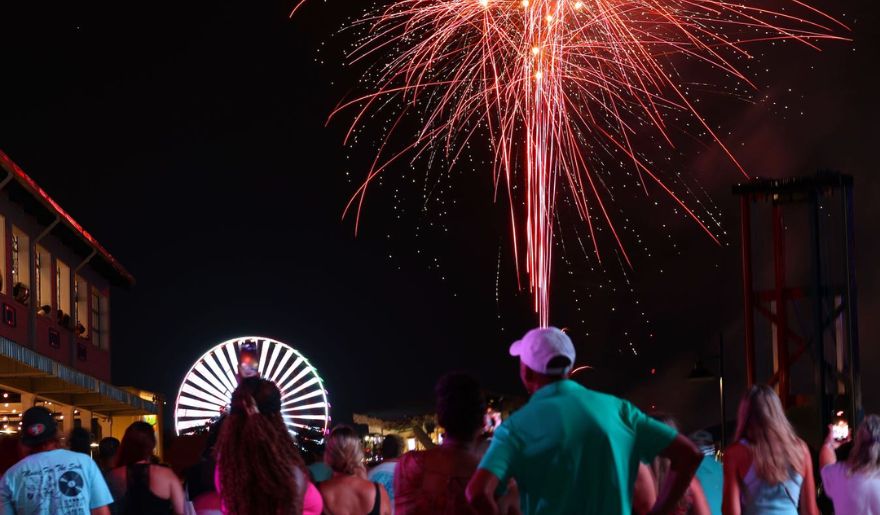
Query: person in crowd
pixel 349 492
pixel 318 470
pixel 434 481
pixel 80 440
pixel 51 480
pixel 711 473
pixel 693 502
pixel 854 485
pixel 574 450
pixel 107 449
pixel 384 472
pixel 199 479
pixel 138 486
pixel 644 491
pixel 768 469
pixel 259 470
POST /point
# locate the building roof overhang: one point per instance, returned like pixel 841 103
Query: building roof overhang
pixel 38 203
pixel 24 370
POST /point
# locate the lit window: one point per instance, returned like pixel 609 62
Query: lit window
pixel 3 288
pixel 95 307
pixel 20 268
pixel 80 313
pixel 42 275
pixel 62 288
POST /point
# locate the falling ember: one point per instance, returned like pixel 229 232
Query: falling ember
pixel 597 70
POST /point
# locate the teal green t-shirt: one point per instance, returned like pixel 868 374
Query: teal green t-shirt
pixel 573 450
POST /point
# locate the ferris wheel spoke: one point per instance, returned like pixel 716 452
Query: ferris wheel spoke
pixel 189 401
pixel 190 389
pixel 290 370
pixel 305 407
pixel 301 398
pixel 264 351
pixel 187 424
pixel 281 365
pixel 202 372
pixel 212 364
pixel 309 417
pixel 304 372
pixel 206 386
pixel 272 359
pixel 230 365
pixel 188 413
pixel 303 386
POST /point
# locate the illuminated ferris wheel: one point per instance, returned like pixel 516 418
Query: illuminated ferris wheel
pixel 207 389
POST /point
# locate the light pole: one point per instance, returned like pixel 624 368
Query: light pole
pixel 701 373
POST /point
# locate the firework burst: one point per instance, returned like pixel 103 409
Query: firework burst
pixel 538 80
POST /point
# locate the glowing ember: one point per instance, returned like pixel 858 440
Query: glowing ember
pixel 539 79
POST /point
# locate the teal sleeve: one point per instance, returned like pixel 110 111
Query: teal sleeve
pixel 651 435
pixel 501 454
pixel 99 494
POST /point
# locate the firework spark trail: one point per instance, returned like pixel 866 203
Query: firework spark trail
pixel 541 78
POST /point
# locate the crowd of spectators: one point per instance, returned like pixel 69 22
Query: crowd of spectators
pixel 568 450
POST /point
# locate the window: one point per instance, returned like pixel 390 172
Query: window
pixel 43 277
pixel 62 287
pixel 81 298
pixel 95 308
pixel 3 278
pixel 20 258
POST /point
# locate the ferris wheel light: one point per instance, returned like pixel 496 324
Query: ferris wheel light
pixel 207 388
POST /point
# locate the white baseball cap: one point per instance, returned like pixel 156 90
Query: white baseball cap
pixel 539 346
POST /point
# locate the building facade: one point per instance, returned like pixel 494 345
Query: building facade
pixel 55 340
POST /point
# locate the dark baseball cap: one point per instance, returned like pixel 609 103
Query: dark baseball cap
pixel 37 426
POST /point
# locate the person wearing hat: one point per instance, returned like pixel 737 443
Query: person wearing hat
pixel 575 450
pixel 51 480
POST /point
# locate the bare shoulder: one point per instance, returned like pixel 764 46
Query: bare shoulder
pixel 164 472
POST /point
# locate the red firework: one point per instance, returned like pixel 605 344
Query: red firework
pixel 538 79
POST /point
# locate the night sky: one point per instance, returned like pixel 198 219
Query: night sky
pixel 189 138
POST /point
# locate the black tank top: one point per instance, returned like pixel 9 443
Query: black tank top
pixel 377 504
pixel 139 499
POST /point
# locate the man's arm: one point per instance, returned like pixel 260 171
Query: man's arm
pixel 481 492
pixel 685 458
pixel 103 510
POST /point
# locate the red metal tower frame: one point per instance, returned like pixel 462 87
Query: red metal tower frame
pixel 831 340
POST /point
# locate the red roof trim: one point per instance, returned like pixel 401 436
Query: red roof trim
pixel 34 188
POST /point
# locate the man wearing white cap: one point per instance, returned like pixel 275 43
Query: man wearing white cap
pixel 574 450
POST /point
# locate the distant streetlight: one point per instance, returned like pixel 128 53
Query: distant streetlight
pixel 701 374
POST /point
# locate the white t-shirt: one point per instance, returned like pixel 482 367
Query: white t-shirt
pixel 853 494
pixel 58 482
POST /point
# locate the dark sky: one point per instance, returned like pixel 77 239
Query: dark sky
pixel 189 138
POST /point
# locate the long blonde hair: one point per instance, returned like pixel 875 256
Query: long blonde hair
pixel 343 452
pixel 865 455
pixel 776 449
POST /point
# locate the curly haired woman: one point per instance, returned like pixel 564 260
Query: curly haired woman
pixel 259 469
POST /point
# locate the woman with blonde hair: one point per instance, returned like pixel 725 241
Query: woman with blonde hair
pixel 854 485
pixel 768 469
pixel 349 492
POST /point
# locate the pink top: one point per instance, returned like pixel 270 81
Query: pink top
pixel 313 503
